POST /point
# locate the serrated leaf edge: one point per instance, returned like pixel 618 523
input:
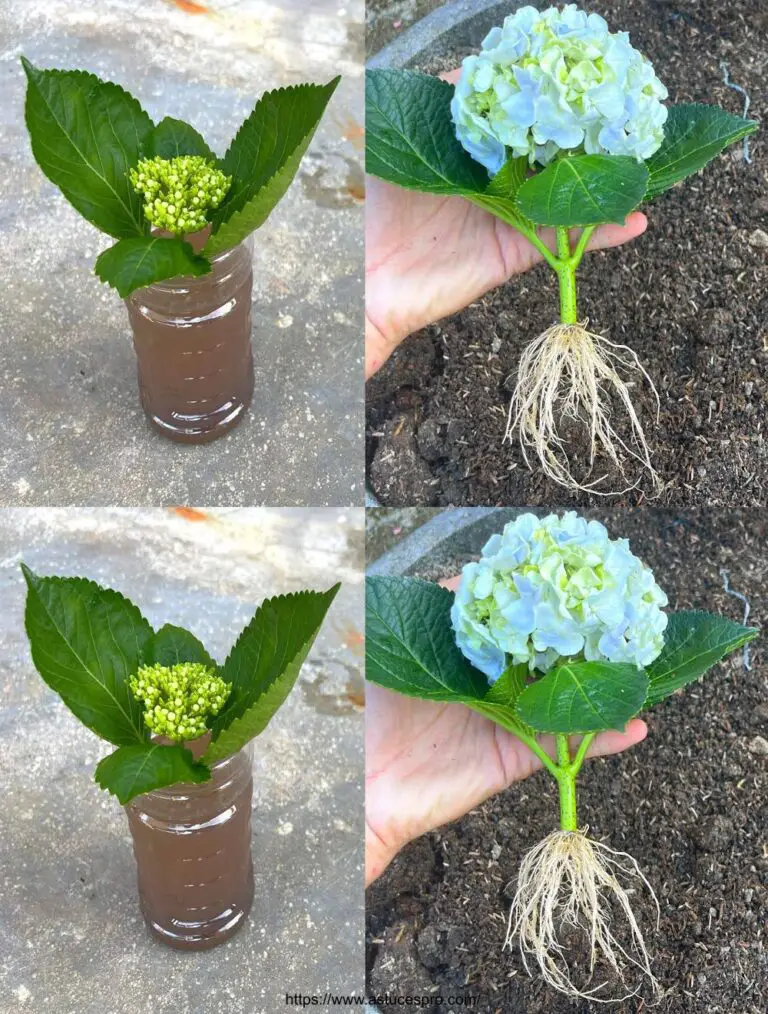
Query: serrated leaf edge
pixel 86 582
pixel 211 247
pixel 93 78
pixel 197 765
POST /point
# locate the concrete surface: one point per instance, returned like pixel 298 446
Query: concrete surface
pixel 406 34
pixel 74 431
pixel 72 940
pixel 442 538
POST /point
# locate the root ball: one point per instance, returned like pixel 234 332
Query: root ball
pixel 569 371
pixel 568 880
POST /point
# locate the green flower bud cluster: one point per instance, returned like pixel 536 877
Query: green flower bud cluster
pixel 179 699
pixel 179 192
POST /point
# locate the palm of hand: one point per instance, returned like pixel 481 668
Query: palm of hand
pixel 430 256
pixel 430 763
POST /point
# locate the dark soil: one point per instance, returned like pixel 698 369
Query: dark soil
pixel 690 297
pixel 689 804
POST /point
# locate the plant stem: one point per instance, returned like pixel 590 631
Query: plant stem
pixel 581 753
pixel 566 273
pixel 566 783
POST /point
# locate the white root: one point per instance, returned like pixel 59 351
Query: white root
pixel 568 880
pixel 569 371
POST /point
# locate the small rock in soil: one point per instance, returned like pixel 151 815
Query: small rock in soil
pixel 714 833
pixel 396 969
pixel 758 746
pixel 714 326
pixel 759 239
pixel 431 947
pixel 398 472
pixel 430 439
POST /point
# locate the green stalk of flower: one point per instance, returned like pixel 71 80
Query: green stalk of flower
pixel 179 193
pixel 179 699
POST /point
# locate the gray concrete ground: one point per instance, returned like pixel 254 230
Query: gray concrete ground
pixel 74 432
pixel 72 940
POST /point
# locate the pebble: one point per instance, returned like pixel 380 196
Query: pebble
pixel 758 746
pixel 715 833
pixel 758 238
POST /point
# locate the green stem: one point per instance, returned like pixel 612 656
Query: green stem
pixel 566 273
pixel 581 753
pixel 581 246
pixel 566 783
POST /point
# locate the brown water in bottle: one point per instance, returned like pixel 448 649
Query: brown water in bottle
pixel 193 345
pixel 193 855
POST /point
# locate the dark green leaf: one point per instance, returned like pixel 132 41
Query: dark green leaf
pixel 86 134
pixel 174 645
pixel 264 157
pixel 410 645
pixel 499 703
pixel 86 642
pixel 133 770
pixel 172 138
pixel 584 190
pixel 500 196
pixel 507 182
pixel 508 686
pixel 693 642
pixel 583 697
pixel 263 666
pixel 410 137
pixel 133 263
pixel 693 135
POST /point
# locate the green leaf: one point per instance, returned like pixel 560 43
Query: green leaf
pixel 86 642
pixel 508 686
pixel 174 645
pixel 693 642
pixel 171 138
pixel 499 703
pixel 507 182
pixel 410 645
pixel 263 666
pixel 264 157
pixel 132 770
pixel 693 135
pixel 86 134
pixel 500 196
pixel 410 137
pixel 133 263
pixel 584 697
pixel 584 190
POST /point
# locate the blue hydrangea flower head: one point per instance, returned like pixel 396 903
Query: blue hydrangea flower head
pixel 557 587
pixel 557 80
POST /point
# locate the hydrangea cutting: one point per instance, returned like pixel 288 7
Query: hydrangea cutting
pixel 169 709
pixel 154 186
pixel 557 633
pixel 557 126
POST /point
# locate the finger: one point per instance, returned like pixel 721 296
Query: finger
pixel 608 236
pixel 616 742
pixel 378 348
pixel 451 583
pixel 452 76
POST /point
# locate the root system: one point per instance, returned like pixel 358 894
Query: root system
pixel 570 372
pixel 568 880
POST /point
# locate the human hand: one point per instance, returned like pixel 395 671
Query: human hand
pixel 428 763
pixel 428 257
